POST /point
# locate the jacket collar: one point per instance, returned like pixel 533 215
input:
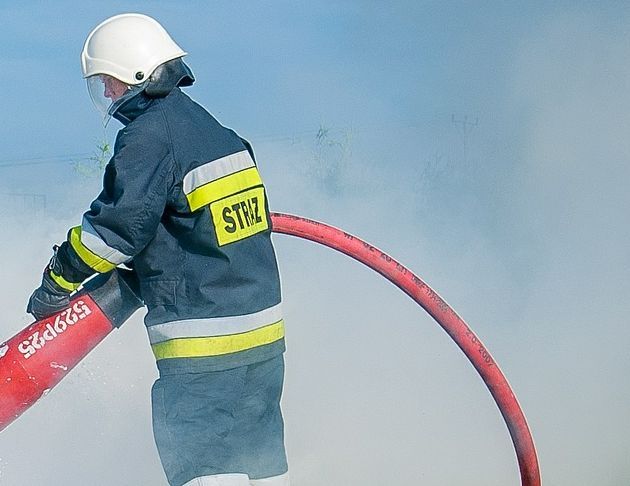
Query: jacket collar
pixel 166 78
pixel 131 107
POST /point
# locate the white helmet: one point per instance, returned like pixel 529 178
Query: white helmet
pixel 128 47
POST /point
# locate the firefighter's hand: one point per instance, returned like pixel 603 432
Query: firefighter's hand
pixel 49 298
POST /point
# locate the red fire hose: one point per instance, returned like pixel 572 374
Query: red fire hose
pixel 446 317
pixel 37 358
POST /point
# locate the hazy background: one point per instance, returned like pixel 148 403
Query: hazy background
pixel 483 144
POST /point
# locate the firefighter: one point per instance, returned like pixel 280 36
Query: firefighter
pixel 183 204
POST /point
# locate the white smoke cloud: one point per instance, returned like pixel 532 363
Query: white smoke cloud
pixel 571 88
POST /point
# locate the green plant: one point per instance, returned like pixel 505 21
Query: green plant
pixel 96 162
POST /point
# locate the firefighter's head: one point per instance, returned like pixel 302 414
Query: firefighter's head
pixel 113 88
pixel 121 55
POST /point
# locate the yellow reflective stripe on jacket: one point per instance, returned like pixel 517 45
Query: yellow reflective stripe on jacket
pixel 91 240
pixel 218 345
pixel 95 262
pixel 223 187
pixel 63 283
pixel 214 326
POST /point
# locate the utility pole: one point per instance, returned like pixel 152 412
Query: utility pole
pixel 466 126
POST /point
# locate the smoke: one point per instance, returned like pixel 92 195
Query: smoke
pixel 375 392
pixel 571 87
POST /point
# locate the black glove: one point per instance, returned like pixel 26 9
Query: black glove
pixel 47 299
pixel 51 297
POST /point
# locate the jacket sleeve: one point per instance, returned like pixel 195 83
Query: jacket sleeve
pixel 124 217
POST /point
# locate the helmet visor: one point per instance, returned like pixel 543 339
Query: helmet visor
pixel 105 91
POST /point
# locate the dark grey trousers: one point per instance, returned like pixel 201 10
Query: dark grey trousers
pixel 221 422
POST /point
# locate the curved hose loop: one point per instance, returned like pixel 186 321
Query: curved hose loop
pixel 445 316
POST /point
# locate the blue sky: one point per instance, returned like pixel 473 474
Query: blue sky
pixel 484 144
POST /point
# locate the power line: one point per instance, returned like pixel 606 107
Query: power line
pixel 51 159
pixel 295 137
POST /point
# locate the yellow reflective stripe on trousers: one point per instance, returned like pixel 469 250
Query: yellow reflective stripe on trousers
pixel 199 347
pixel 95 262
pixel 63 283
pixel 224 187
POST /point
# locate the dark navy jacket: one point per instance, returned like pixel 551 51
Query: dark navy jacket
pixel 183 203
